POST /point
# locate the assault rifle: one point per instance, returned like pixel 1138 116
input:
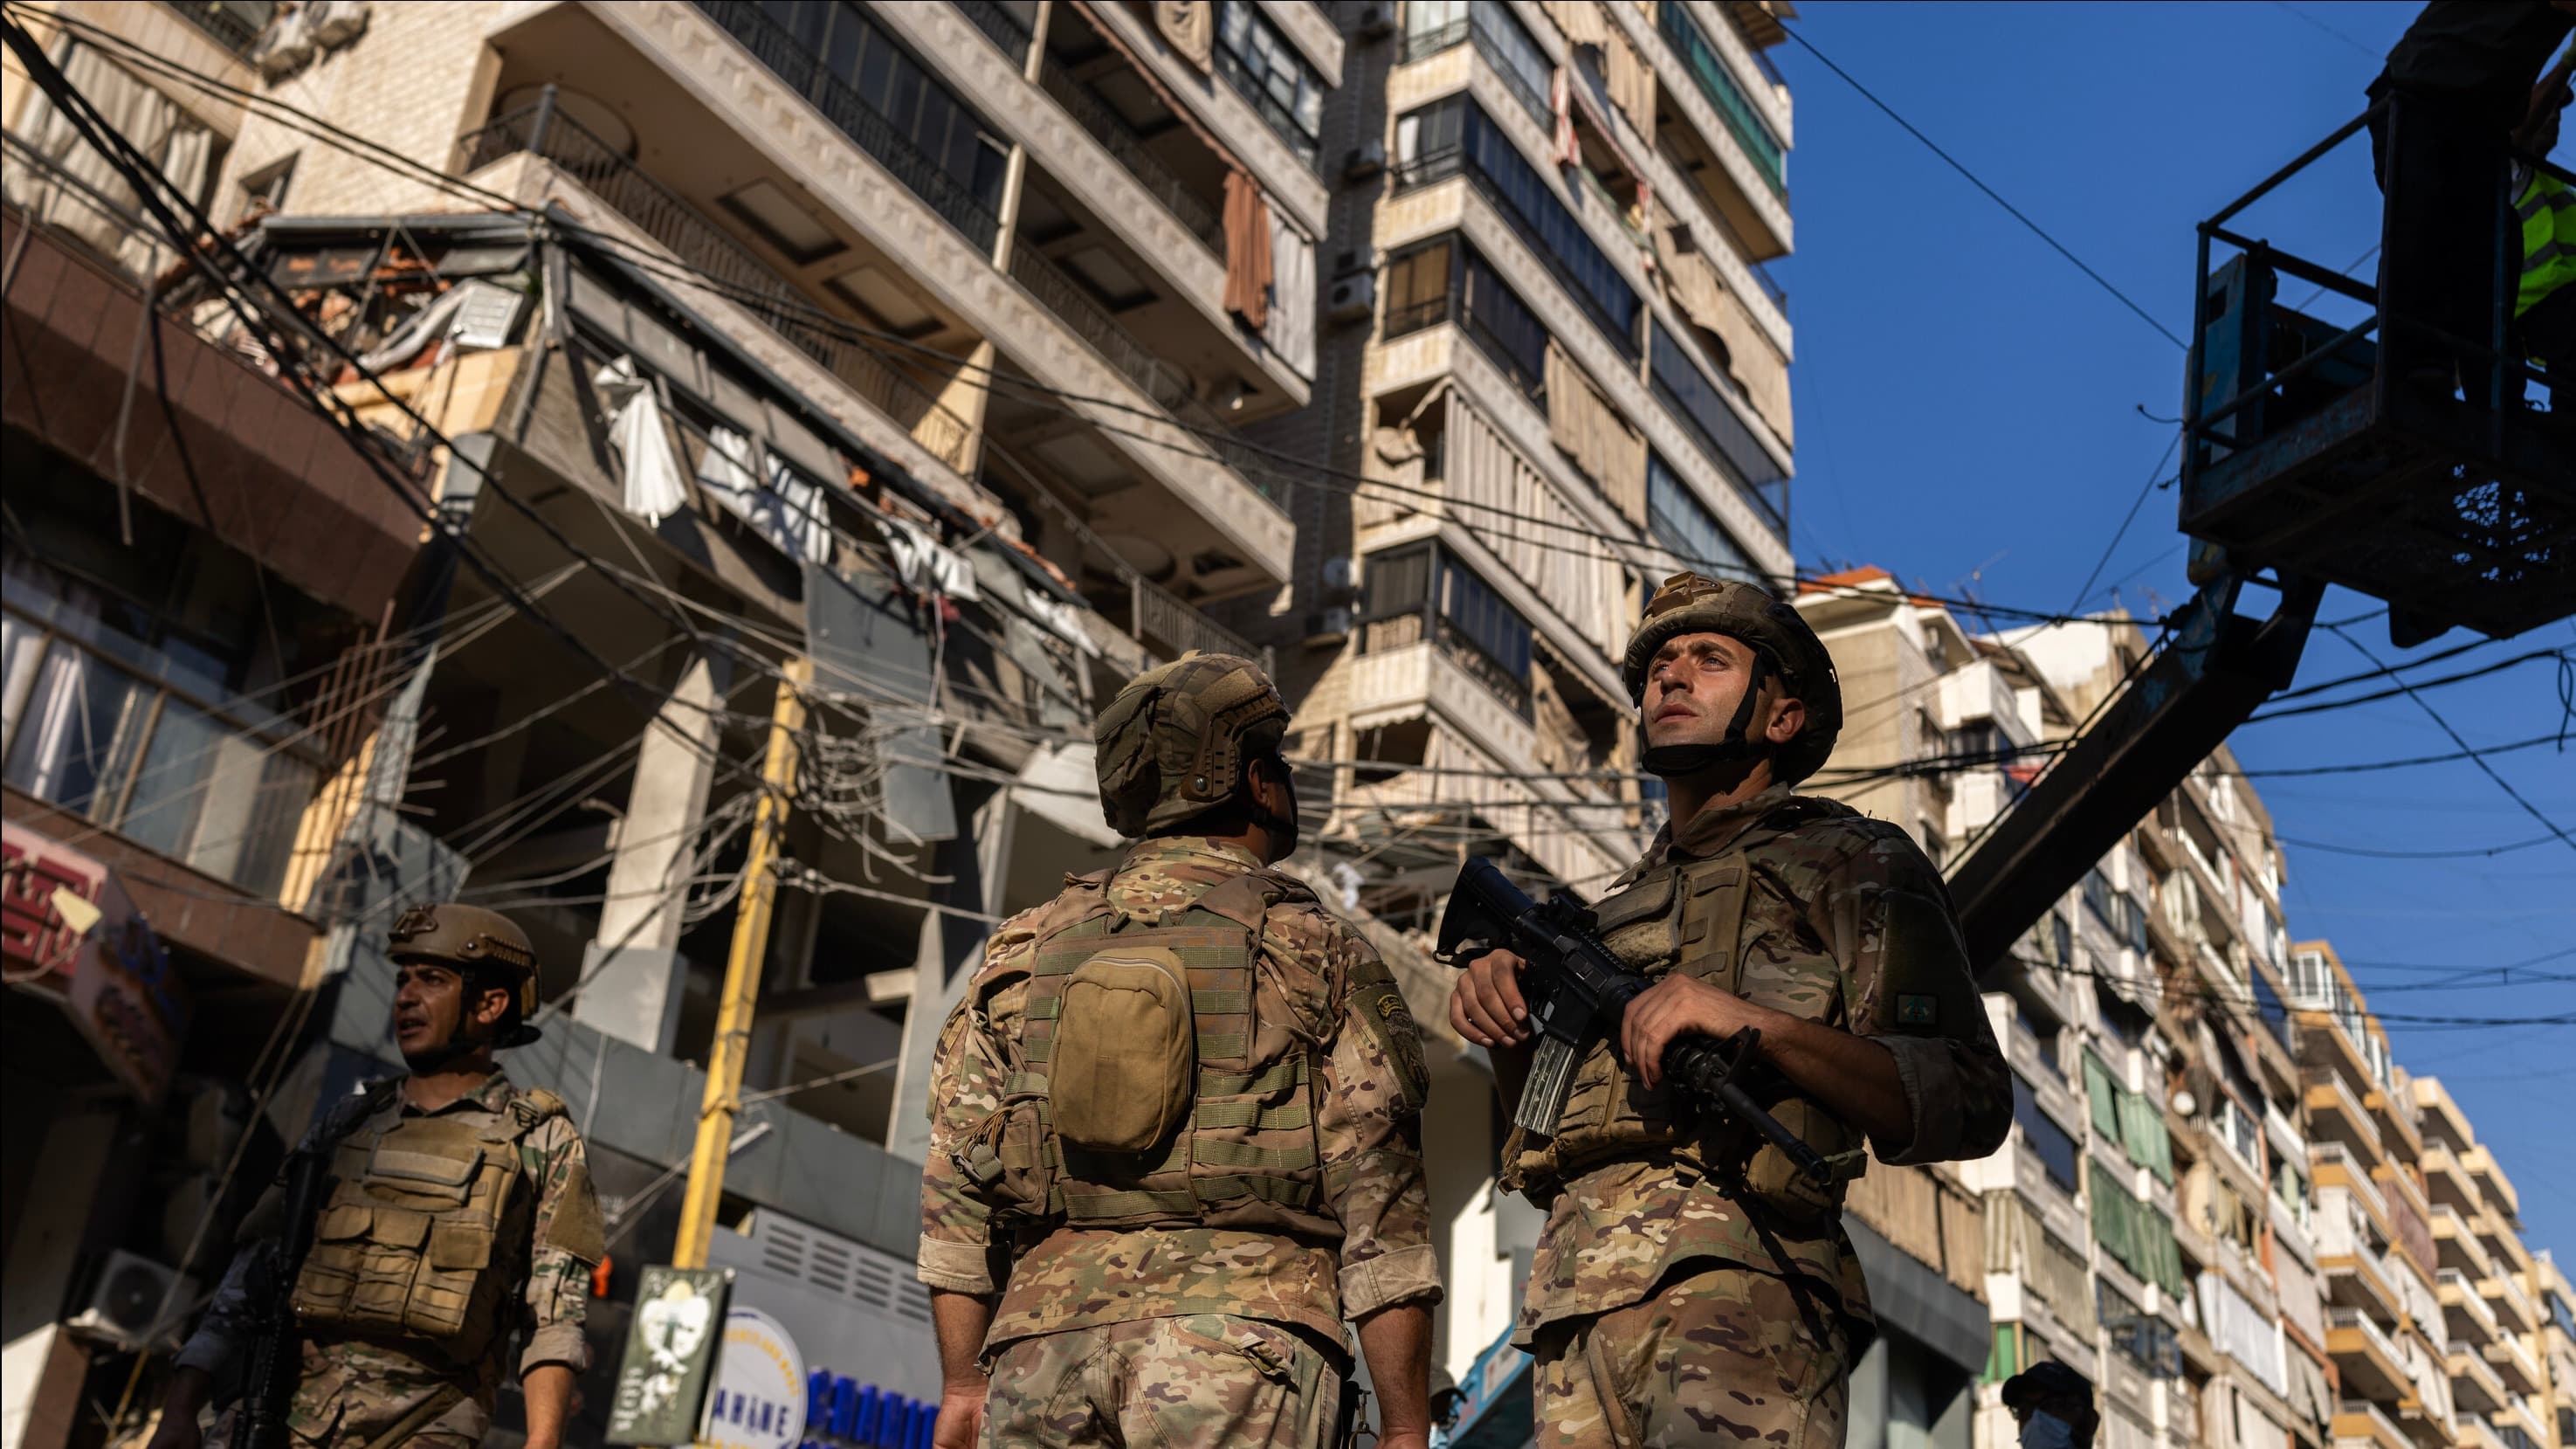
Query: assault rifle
pixel 276 1348
pixel 1576 991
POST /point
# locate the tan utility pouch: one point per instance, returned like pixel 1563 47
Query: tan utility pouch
pixel 1124 1069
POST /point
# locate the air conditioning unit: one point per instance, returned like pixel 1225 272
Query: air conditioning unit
pixel 1364 160
pixel 1376 21
pixel 1354 297
pixel 1327 627
pixel 131 1292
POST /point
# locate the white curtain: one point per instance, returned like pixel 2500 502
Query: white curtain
pixel 149 120
pixel 653 487
pixel 787 510
pixel 1291 328
pixel 924 566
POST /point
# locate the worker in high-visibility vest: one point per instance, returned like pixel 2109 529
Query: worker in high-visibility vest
pixel 2544 305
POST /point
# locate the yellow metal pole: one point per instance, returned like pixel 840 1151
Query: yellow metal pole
pixel 742 974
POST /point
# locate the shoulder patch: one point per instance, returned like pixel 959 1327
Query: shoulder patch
pixel 1392 1036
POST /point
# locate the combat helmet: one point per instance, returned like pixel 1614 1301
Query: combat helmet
pixel 482 944
pixel 1691 603
pixel 1173 744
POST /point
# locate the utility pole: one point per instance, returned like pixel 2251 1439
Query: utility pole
pixel 742 972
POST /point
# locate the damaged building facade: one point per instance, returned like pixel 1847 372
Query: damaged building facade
pixel 665 353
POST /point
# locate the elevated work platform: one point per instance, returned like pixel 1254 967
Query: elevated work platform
pixel 2309 451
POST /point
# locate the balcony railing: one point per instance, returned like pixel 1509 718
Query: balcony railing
pixel 1439 166
pixel 1106 126
pixel 807 74
pixel 234 24
pixel 1000 25
pixel 1166 384
pixel 738 275
pixel 1707 67
pixel 1421 44
pixel 1527 375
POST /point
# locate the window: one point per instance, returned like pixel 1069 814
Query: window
pixel 1432 26
pixel 264 191
pixel 2053 1145
pixel 883 99
pixel 1419 592
pixel 1269 72
pixel 1702 408
pixel 1717 83
pixel 2267 1004
pixel 1453 134
pixel 127 696
pixel 1504 326
pixel 1676 519
pixel 1417 288
pixel 1526 71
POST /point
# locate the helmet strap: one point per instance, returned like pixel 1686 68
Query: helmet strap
pixel 1680 761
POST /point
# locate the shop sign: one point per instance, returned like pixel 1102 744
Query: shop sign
pixel 670 1355
pixel 69 930
pixel 759 1402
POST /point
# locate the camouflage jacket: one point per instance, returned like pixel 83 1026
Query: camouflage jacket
pixel 554 1298
pixel 1368 1100
pixel 1814 941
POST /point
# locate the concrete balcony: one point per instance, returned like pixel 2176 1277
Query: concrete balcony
pixel 1568 834
pixel 2491 1181
pixel 2476 1433
pixel 2457 1245
pixel 2464 1311
pixel 2503 1243
pixel 1435 203
pixel 1717 134
pixel 2360 1422
pixel 2368 1361
pixel 2395 1116
pixel 727 103
pixel 2337 1118
pixel 2515 1365
pixel 1976 693
pixel 1160 225
pixel 2518 1414
pixel 2447 1181
pixel 2475 1388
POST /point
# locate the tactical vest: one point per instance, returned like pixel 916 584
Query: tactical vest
pixel 406 1246
pixel 1240 1151
pixel 1688 916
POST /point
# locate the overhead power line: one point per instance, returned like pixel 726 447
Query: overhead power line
pixel 2489 770
pixel 1289 470
pixel 1993 195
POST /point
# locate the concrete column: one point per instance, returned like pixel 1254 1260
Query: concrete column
pixel 635 995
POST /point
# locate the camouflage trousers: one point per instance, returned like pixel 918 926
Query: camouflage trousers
pixel 1723 1354
pixel 1208 1379
pixel 354 1394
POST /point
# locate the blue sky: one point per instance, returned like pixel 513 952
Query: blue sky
pixel 1968 417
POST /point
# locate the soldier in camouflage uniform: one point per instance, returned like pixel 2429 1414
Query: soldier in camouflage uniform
pixel 1176 1124
pixel 460 1208
pixel 1689 1286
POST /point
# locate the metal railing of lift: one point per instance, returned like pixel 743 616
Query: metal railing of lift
pixel 740 277
pixel 1106 126
pixel 786 57
pixel 2201 417
pixel 999 25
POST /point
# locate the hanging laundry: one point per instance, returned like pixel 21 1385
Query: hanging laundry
pixel 787 510
pixel 924 565
pixel 643 442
